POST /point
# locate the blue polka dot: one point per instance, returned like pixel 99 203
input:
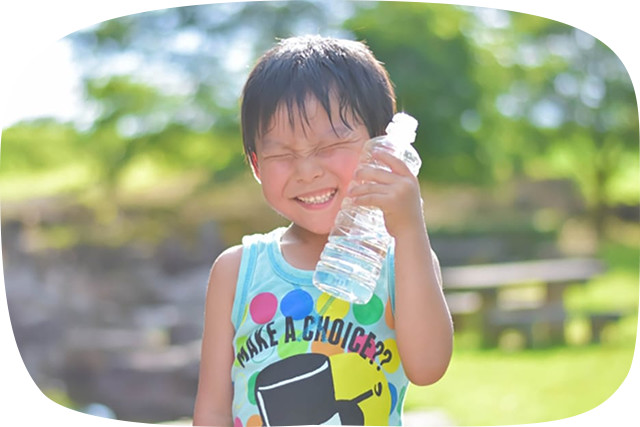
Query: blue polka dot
pixel 394 397
pixel 296 304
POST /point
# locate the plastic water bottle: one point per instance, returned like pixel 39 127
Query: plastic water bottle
pixel 352 259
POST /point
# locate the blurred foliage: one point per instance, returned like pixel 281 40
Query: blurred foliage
pixel 430 61
pixel 571 104
pixel 500 97
pixel 36 146
pixel 503 95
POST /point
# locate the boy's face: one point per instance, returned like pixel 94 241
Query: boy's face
pixel 305 169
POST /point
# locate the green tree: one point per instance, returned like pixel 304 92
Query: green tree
pixel 498 95
pixel 431 63
pixel 39 146
pixel 205 50
pixel 502 96
pixel 137 123
pixel 557 103
pixel 166 83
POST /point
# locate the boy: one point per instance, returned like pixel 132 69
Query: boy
pixel 276 350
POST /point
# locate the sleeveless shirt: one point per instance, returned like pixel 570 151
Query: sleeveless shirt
pixel 303 357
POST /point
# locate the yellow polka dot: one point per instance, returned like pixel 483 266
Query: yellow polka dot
pixel 389 361
pixel 333 307
pixel 244 314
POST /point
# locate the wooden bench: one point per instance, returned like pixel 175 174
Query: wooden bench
pixel 489 281
pixel 598 321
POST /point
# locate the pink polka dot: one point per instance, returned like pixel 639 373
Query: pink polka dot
pixel 237 422
pixel 359 343
pixel 263 307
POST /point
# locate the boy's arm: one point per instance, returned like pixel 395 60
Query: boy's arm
pixel 213 400
pixel 424 332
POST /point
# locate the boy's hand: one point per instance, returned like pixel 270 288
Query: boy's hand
pixel 395 192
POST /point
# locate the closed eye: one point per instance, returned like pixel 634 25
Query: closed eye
pixel 329 148
pixel 277 156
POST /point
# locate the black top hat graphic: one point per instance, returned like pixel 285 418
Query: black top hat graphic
pixel 299 390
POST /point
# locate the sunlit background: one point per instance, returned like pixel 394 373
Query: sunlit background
pixel 122 178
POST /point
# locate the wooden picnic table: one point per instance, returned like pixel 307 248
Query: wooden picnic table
pixel 487 282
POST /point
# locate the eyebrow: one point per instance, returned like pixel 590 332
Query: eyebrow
pixel 341 130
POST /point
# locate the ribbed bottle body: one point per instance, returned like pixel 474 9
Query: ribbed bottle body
pixel 352 259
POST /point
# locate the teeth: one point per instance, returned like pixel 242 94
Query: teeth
pixel 317 199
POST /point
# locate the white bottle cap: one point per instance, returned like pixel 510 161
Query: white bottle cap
pixel 404 126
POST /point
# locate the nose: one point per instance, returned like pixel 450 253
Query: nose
pixel 308 168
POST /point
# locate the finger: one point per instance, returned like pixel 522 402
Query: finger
pixel 378 200
pixel 368 187
pixel 373 173
pixel 395 164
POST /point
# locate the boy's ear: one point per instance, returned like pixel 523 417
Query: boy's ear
pixel 253 160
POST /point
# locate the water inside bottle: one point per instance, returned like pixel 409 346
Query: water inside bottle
pixel 351 261
pixel 350 266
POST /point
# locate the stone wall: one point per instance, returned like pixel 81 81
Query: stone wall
pixel 116 326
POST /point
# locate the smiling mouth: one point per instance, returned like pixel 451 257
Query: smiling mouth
pixel 317 199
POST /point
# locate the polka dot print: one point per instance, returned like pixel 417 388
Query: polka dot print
pixel 333 307
pixel 297 304
pixel 390 364
pixel 401 398
pixel 369 313
pixel 251 388
pixel 394 397
pixel 263 307
pixel 291 348
pixel 284 315
pixel 254 421
pixel 359 343
pixel 325 348
pixel 388 315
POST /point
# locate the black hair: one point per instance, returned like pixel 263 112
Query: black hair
pixel 298 67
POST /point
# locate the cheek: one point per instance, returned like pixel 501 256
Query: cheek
pixel 273 179
pixel 344 166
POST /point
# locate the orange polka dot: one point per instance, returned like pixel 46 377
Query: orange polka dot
pixel 325 348
pixel 254 421
pixel 388 315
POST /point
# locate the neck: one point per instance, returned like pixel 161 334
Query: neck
pixel 302 248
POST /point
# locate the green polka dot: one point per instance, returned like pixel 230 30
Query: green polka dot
pixel 401 399
pixel 369 313
pixel 263 355
pixel 240 342
pixel 291 348
pixel 251 385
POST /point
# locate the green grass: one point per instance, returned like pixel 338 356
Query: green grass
pixel 496 387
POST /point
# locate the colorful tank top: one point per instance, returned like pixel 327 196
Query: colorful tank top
pixel 304 357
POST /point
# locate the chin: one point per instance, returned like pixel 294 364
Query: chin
pixel 321 230
pixel 320 227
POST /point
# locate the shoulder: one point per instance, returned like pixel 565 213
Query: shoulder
pixel 226 268
pixel 224 273
pixel 228 261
